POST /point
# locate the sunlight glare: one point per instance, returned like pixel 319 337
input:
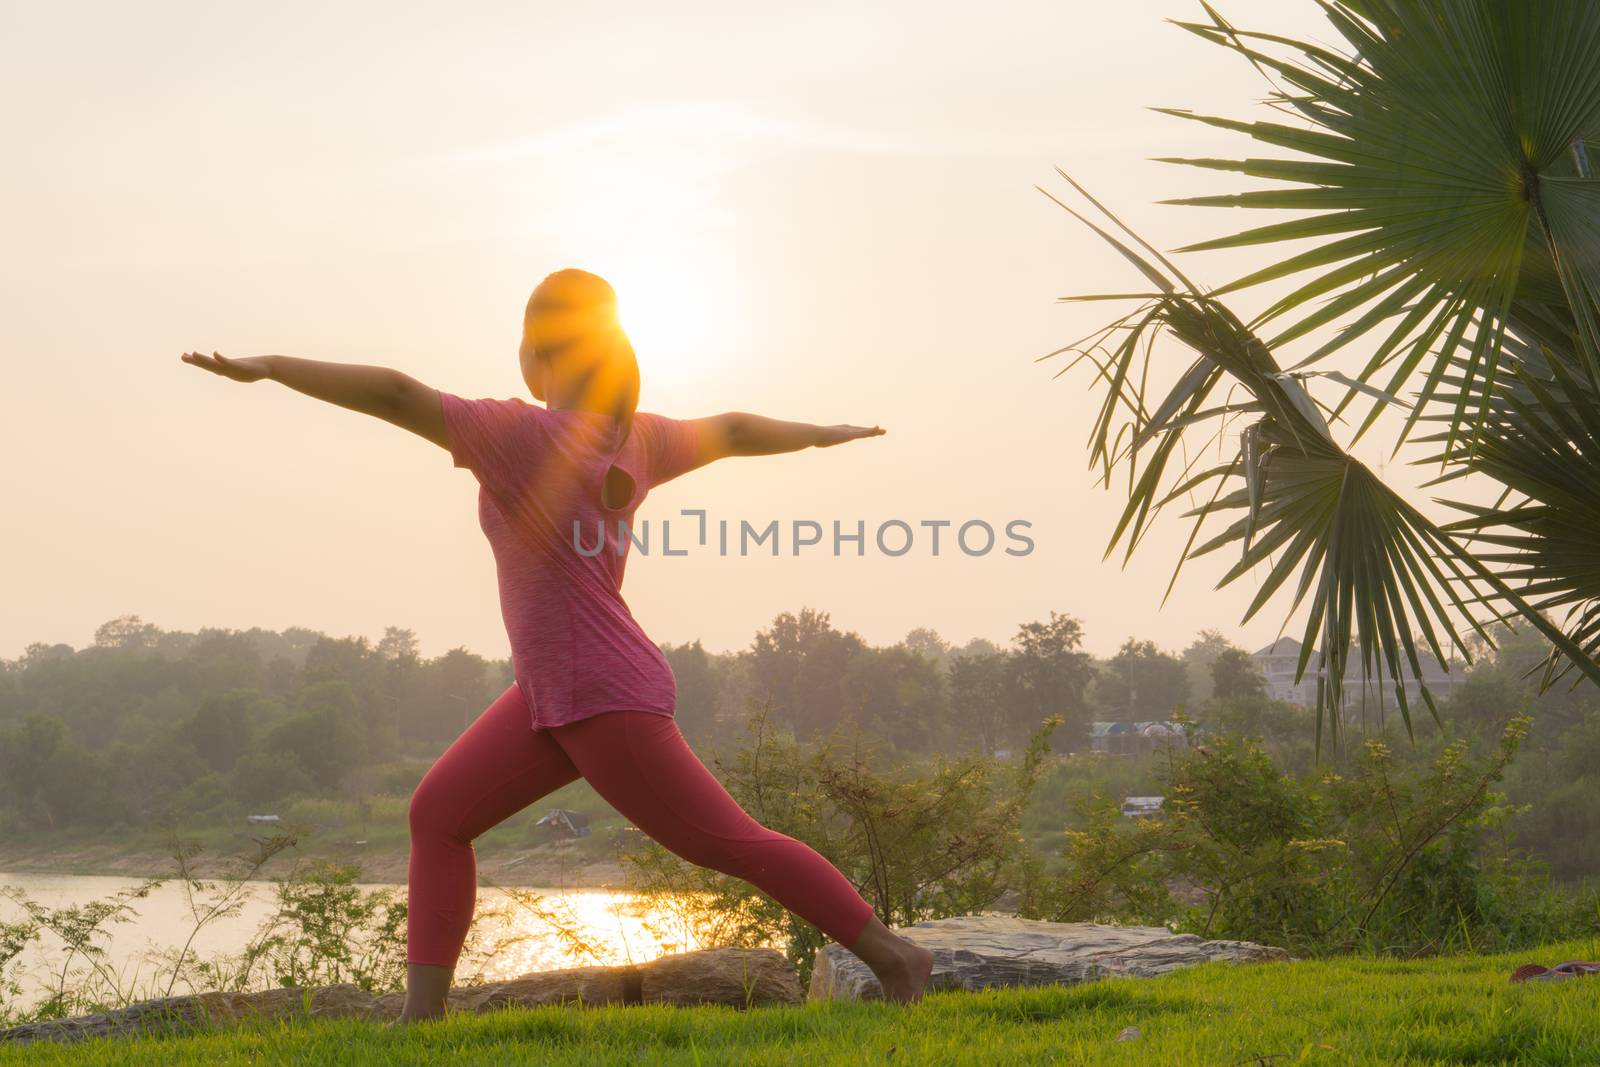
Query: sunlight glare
pixel 643 210
pixel 673 312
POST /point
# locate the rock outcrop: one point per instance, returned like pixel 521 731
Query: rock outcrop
pixel 971 952
pixel 740 977
pixel 980 951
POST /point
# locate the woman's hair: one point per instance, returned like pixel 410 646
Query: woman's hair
pixel 572 320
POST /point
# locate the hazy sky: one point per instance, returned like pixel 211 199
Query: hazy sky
pixel 820 212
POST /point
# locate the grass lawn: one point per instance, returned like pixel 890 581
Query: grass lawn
pixel 1350 1011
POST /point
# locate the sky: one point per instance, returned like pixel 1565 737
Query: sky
pixel 822 212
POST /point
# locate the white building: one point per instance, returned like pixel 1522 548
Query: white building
pixel 1278 661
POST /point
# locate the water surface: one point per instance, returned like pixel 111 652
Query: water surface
pixel 614 925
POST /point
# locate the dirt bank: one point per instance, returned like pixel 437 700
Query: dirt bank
pixel 546 867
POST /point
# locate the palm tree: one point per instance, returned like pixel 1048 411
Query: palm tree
pixel 1439 164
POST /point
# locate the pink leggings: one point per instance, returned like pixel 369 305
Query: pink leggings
pixel 641 765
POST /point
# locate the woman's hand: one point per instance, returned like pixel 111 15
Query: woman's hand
pixel 382 392
pixel 829 436
pixel 242 369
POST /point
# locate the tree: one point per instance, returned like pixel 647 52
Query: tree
pixel 980 689
pixel 699 689
pixel 1143 682
pixel 127 632
pixel 398 645
pixel 326 737
pixel 457 692
pixel 1234 676
pixel 978 646
pixel 799 663
pixel 348 658
pixel 1198 659
pixel 28 750
pixel 38 652
pixel 1441 172
pixel 222 659
pixel 224 727
pixel 1050 674
pixel 1280 727
pixel 264 777
pixel 897 694
pixel 927 643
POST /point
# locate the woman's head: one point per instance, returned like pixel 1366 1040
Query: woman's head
pixel 574 352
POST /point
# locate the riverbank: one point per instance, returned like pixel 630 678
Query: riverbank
pixel 1448 1010
pixel 553 866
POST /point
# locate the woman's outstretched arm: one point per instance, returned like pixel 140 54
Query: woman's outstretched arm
pixel 740 434
pixel 382 392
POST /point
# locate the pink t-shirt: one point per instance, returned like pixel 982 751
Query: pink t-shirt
pixel 575 647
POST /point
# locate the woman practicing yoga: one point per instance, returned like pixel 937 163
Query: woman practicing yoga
pixel 593 695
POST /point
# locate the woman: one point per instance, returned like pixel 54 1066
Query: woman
pixel 593 696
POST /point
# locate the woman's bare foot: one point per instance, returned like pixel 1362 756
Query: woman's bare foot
pixel 427 988
pixel 905 983
pixel 902 968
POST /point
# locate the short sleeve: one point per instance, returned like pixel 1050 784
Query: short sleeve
pixel 495 439
pixel 673 445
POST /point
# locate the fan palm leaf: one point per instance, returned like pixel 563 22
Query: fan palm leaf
pixel 1439 163
pixel 1541 441
pixel 1376 575
pixel 1437 156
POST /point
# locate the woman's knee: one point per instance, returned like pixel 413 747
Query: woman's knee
pixel 754 853
pixel 709 852
pixel 432 812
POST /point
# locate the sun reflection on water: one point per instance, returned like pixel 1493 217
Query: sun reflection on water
pixel 519 931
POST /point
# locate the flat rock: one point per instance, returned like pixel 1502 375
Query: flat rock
pixel 739 977
pixel 982 951
pixel 742 977
pixel 574 985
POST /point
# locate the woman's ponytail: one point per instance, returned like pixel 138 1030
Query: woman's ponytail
pixel 586 342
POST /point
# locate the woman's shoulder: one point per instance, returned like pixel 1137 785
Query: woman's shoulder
pixel 655 422
pixel 670 445
pixel 655 430
pixel 504 406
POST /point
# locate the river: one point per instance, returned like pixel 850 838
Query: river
pixel 616 928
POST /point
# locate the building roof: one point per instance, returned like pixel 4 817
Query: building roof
pixel 1103 728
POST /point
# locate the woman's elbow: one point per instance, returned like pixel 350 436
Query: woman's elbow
pixel 735 433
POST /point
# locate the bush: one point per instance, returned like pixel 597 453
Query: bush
pixel 920 842
pixel 329 930
pixel 325 930
pixel 263 778
pixel 319 813
pixel 1386 857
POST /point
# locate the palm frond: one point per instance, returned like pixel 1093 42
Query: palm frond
pixel 1440 154
pixel 1541 440
pixel 1374 574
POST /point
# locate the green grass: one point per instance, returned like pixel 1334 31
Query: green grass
pixel 1455 1010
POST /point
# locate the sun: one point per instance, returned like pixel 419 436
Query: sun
pixel 655 230
pixel 676 312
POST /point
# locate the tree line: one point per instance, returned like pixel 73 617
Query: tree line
pixel 148 724
pixel 150 727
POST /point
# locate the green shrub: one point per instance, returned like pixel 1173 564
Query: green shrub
pixel 329 930
pixel 1388 856
pixel 919 841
